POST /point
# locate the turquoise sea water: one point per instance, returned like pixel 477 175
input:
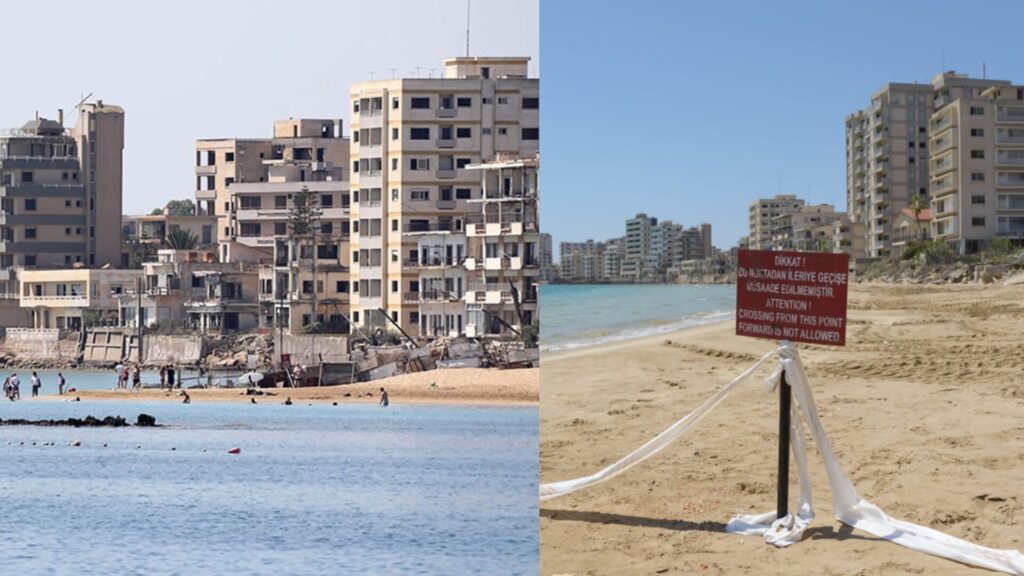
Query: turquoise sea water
pixel 574 315
pixel 352 489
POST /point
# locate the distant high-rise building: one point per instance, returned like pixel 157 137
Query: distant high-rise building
pixel 887 151
pixel 762 216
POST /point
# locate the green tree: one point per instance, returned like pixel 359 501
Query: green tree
pixel 182 239
pixel 304 224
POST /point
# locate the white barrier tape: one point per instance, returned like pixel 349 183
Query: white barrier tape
pixel 849 507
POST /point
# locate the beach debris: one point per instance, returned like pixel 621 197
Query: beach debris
pixel 88 421
pixel 235 450
pixel 76 443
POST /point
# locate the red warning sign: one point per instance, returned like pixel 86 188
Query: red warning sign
pixel 796 296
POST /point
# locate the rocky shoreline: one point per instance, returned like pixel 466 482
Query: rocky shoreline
pixel 1010 270
pixel 144 420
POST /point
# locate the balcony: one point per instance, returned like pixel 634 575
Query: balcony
pixel 207 170
pixel 1010 179
pixel 1010 114
pixel 42 190
pixel 445 173
pixel 445 142
pixel 1010 136
pixel 881 167
pixel 447 112
pixel 942 187
pixel 1009 157
pixel 42 162
pixel 428 263
pixel 431 227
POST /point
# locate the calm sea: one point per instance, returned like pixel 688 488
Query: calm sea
pixel 319 489
pixel 575 315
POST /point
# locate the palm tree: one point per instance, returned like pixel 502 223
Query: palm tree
pixel 917 205
pixel 182 239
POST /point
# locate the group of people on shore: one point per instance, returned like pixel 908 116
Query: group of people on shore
pixel 124 372
pixel 12 385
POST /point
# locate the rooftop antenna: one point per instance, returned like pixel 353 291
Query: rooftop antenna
pixel 371 75
pixel 393 73
pixel 984 70
pixel 468 4
pixel 431 75
pixel 418 68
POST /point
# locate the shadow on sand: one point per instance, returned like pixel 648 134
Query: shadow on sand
pixel 626 520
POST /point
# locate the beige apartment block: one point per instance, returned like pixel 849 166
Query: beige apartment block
pixel 300 282
pixel 887 151
pixel 223 300
pixel 100 137
pixel 43 200
pixel 248 183
pixel 73 298
pixel 977 168
pixel 154 228
pixel 412 142
pixel 504 249
pixel 805 229
pixel 762 216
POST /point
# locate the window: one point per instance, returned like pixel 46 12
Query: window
pixel 502 99
pixel 326 227
pixel 977 153
pixel 463 193
pixel 419 194
pixel 280 201
pixel 534 134
pixel 910 144
pixel 26 176
pixel 394 133
pixel 977 199
pixel 30 233
pixel 250 228
pixel 977 111
pixel 67 231
pixel 419 133
pixel 394 163
pixel 420 103
pixel 502 131
pixel 978 221
pixel 355 105
pixel 30 259
pixel 464 102
pixel 355 258
pixel 394 225
pixel 229 156
pixel 307 286
pixel 464 132
pixel 355 136
pixel 461 163
pixel 30 204
pixel 327 200
pixel 531 103
pixel 394 285
pixel 280 228
pixel 977 176
pixel 250 202
pixel 414 317
pixel 486 131
pixel 419 163
pixel 446 193
pixel 977 132
pixel 394 103
pixel 394 194
pixel 487 100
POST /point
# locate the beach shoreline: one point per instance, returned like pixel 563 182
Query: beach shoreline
pixel 467 386
pixel 924 406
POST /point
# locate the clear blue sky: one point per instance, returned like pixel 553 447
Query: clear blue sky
pixel 690 110
pixel 186 70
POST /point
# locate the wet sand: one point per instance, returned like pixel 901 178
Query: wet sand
pixel 925 407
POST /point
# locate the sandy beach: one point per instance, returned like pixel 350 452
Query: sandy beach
pixel 462 386
pixel 925 407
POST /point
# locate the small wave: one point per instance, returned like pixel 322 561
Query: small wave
pixel 642 331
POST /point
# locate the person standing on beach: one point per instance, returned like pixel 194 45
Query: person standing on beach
pixel 137 378
pixel 7 388
pixel 383 398
pixel 163 376
pixel 15 387
pixel 119 370
pixel 170 376
pixel 60 384
pixel 36 384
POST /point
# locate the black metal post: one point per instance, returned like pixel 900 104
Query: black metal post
pixel 785 397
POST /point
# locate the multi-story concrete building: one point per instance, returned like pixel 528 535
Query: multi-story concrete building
pixel 412 142
pixel 808 229
pixel 762 216
pixel 641 240
pixel 504 249
pixel 99 134
pixel 849 237
pixel 977 168
pixel 582 261
pixel 72 298
pixel 887 151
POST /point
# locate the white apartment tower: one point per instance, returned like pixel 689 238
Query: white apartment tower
pixel 413 140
